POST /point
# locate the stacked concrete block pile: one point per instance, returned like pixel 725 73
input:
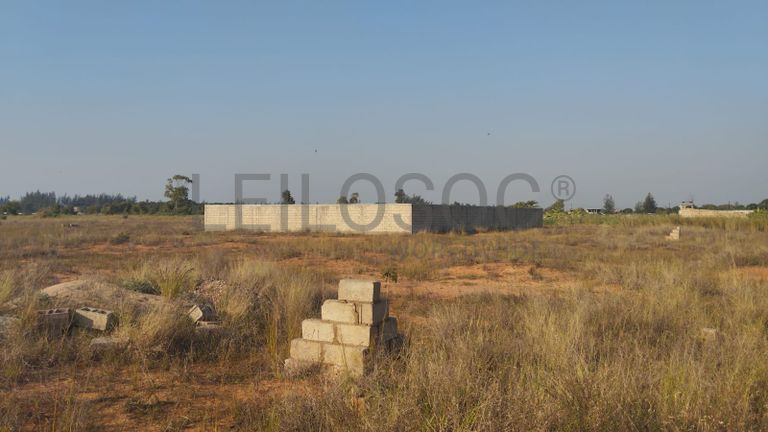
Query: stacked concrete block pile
pixel 350 330
pixel 674 234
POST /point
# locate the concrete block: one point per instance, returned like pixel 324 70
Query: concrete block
pixel 355 313
pixel 317 330
pixel 366 335
pixel 55 322
pixel 357 290
pixel 373 313
pixel 356 334
pixel 202 313
pixel 96 319
pixel 311 351
pixel 339 311
pixel 387 329
pixel 711 335
pixel 352 358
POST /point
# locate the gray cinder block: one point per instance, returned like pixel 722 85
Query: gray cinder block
pixel 96 319
pixel 55 322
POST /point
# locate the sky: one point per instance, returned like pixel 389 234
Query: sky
pixel 625 98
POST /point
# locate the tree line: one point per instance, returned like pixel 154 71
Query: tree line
pixel 48 204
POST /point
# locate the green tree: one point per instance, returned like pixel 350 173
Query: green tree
pixel 526 204
pixel 649 204
pixel 609 205
pixel 177 191
pixel 11 207
pixel 287 198
pixel 401 197
pixel 557 206
pixel 342 200
pixel 355 198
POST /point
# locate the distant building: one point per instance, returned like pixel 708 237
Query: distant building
pixel 594 211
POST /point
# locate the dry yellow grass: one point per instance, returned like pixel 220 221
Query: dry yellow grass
pixel 577 326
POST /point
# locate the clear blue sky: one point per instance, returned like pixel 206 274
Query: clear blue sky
pixel 625 97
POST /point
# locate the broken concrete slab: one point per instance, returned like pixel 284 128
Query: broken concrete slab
pixel 95 319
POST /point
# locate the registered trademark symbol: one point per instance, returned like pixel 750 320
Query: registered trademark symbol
pixel 563 188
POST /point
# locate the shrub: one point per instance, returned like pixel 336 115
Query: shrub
pixel 173 278
pixel 120 238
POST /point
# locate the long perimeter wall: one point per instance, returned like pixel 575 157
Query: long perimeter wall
pixel 699 213
pixel 366 218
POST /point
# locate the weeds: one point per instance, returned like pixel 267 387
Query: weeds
pixel 617 346
pixel 120 238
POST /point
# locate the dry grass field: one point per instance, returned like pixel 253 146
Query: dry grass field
pixel 576 326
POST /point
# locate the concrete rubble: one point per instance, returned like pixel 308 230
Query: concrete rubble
pixel 95 319
pixel 204 317
pixel 349 332
pixel 54 322
pixel 59 321
pixel 674 234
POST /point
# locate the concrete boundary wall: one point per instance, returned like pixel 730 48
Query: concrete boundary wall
pixel 445 218
pixel 366 218
pixel 701 213
pixel 360 218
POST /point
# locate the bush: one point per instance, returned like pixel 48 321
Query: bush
pixel 120 238
pixel 173 278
